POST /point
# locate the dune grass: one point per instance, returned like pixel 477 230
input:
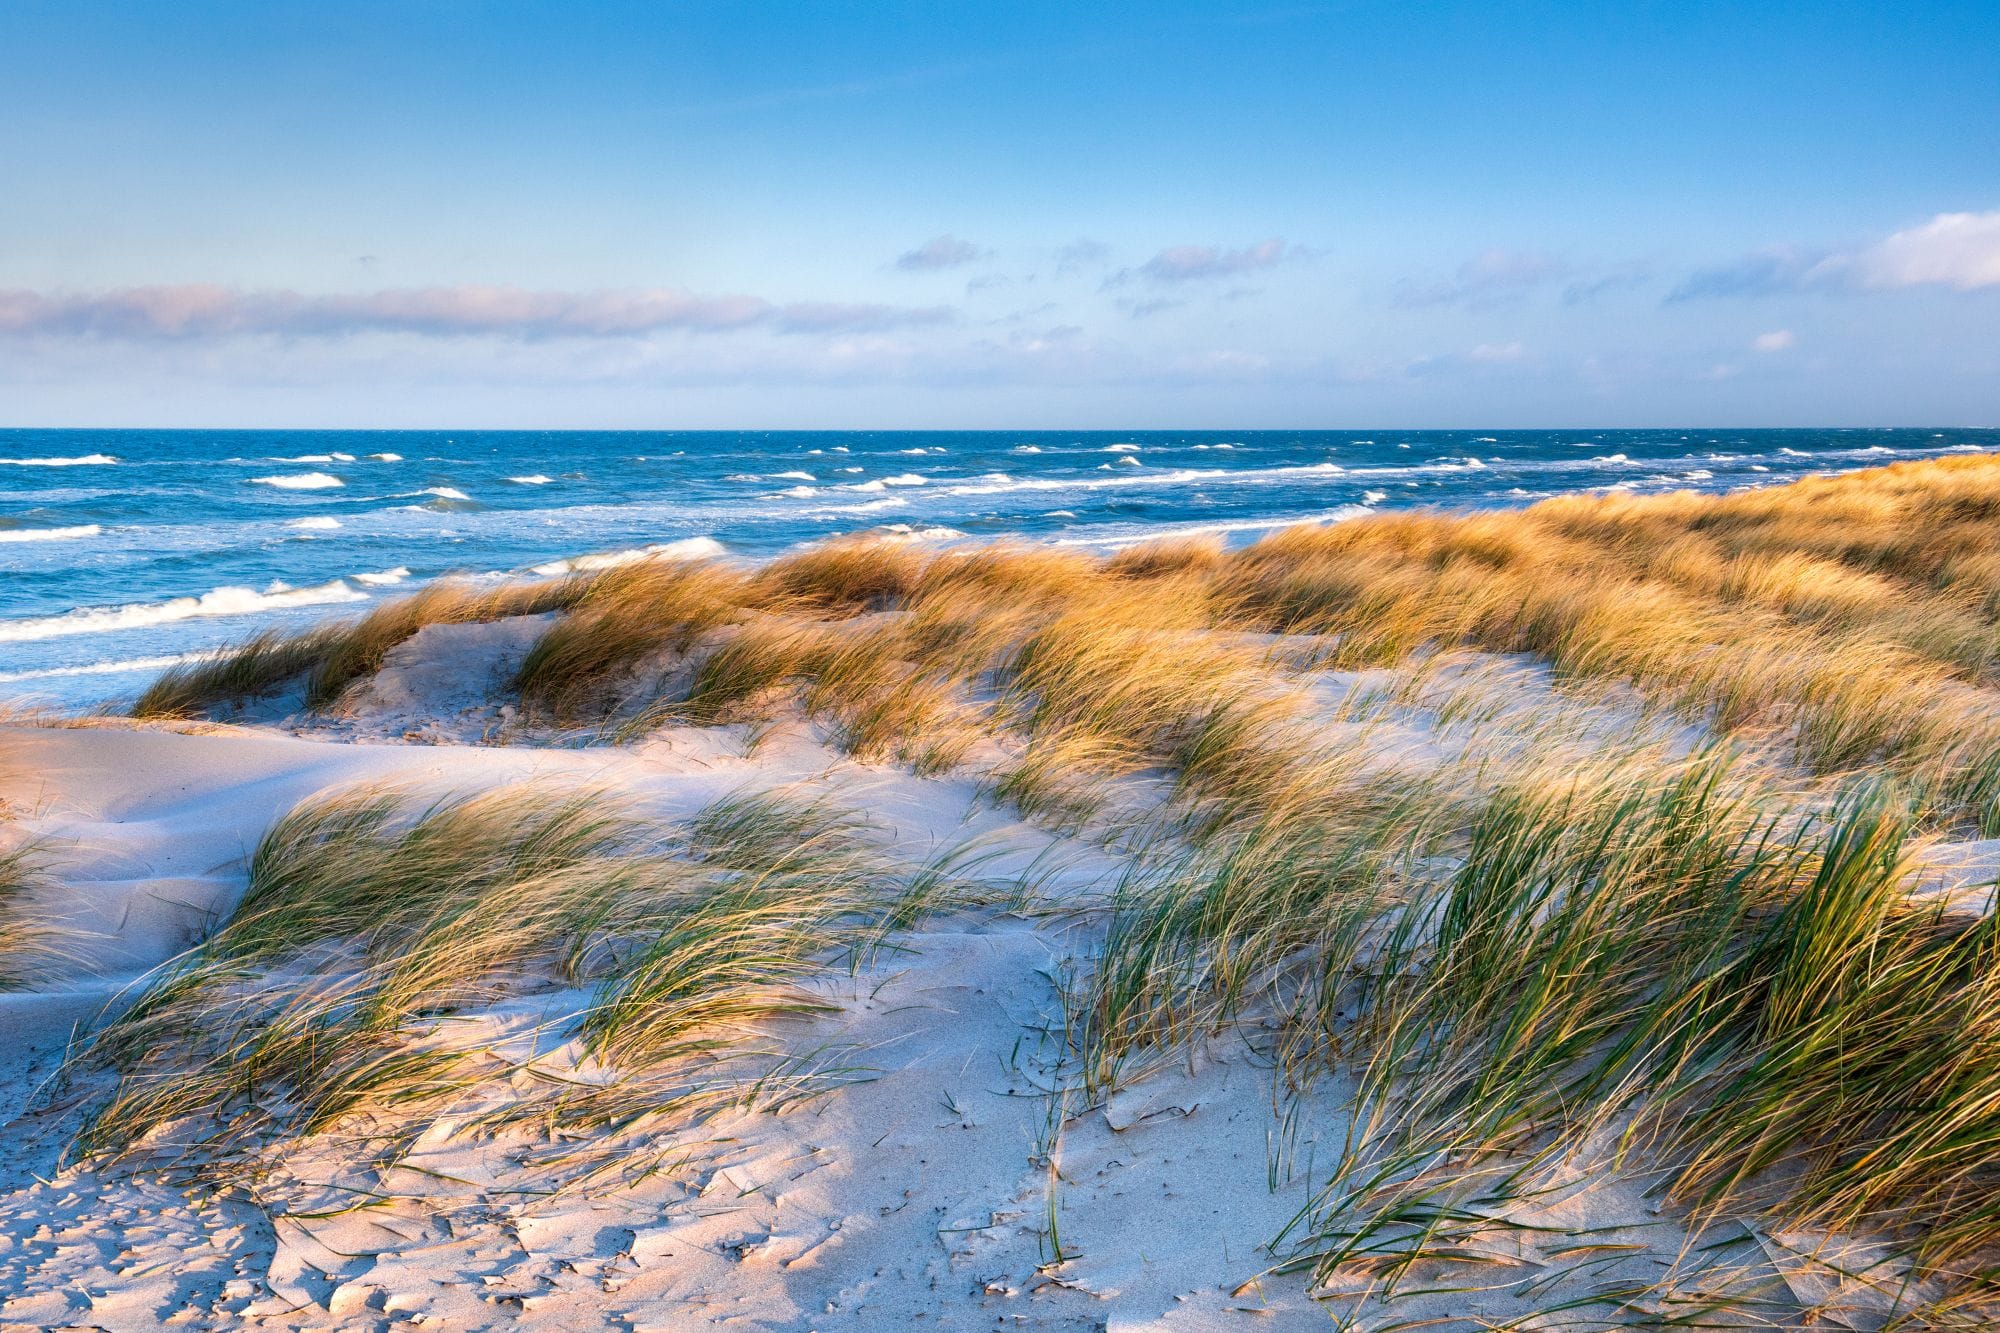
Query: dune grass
pixel 1833 610
pixel 1653 963
pixel 621 617
pixel 27 944
pixel 327 659
pixel 260 664
pixel 338 992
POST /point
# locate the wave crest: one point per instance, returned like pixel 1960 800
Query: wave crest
pixel 300 481
pixel 82 460
pixel 49 534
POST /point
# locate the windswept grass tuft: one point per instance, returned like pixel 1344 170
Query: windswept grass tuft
pixel 361 650
pixel 371 932
pixel 1646 961
pixel 27 942
pixel 626 615
pixel 257 666
pixel 329 658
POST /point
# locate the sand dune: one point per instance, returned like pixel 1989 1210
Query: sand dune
pixel 1011 939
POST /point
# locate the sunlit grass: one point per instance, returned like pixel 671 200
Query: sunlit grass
pixel 1853 616
pixel 330 993
pixel 325 660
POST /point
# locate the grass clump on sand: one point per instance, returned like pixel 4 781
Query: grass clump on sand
pixel 621 617
pixel 345 987
pixel 257 666
pixel 1652 964
pixel 329 658
pixel 27 942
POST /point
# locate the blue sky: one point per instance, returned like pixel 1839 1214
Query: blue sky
pixel 439 212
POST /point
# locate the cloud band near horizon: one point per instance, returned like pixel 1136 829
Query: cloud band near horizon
pixel 210 310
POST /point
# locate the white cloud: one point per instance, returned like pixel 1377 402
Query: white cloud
pixel 206 310
pixel 1777 340
pixel 1957 250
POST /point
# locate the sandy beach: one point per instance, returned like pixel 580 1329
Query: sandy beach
pixel 1570 917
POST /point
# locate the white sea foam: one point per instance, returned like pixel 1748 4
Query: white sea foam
pixel 1484 439
pixel 532 479
pixel 799 492
pixel 1179 476
pixel 862 507
pixel 1130 461
pixel 387 458
pixel 881 483
pixel 317 523
pixel 1035 448
pixel 1611 458
pixel 903 532
pixel 790 476
pixel 83 460
pixel 230 601
pixel 104 668
pixel 317 458
pixel 49 534
pixel 1374 497
pixel 445 492
pixel 383 578
pixel 301 481
pixel 1169 531
pixel 918 452
pixel 688 548
pixel 1121 449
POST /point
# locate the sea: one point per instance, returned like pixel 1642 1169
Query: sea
pixel 123 552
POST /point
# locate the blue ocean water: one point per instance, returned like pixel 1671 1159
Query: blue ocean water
pixel 123 551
